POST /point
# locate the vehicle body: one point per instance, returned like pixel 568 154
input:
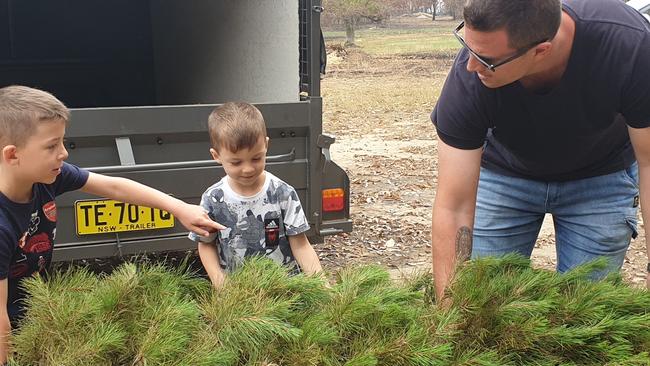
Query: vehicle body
pixel 141 77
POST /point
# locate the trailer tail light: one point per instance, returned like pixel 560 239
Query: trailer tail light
pixel 333 200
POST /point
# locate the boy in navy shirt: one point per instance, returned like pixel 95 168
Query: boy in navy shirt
pixel 32 174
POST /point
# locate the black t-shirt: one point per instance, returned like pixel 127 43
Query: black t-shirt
pixel 578 129
pixel 27 232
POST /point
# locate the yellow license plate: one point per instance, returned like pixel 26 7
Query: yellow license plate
pixel 109 216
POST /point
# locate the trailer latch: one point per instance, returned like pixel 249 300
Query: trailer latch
pixel 324 141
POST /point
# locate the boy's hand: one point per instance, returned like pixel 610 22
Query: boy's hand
pixel 195 219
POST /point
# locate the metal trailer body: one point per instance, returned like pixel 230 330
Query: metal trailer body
pixel 141 77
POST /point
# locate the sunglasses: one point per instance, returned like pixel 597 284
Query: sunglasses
pixel 487 62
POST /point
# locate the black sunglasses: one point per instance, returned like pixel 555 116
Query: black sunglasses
pixel 486 61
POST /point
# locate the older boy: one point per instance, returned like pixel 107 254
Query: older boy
pixel 32 174
pixel 262 213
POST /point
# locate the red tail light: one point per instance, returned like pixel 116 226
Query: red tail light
pixel 333 199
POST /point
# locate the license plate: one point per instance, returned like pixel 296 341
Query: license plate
pixel 109 216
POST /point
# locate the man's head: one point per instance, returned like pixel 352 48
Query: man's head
pixel 23 109
pixel 239 143
pixel 517 32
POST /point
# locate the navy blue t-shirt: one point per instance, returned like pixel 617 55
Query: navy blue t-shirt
pixel 27 232
pixel 578 129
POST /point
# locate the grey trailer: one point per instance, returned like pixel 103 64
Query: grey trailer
pixel 141 77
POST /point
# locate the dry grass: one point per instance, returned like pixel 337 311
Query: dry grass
pixel 408 36
pixel 363 94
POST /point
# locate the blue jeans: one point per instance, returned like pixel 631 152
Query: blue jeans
pixel 593 217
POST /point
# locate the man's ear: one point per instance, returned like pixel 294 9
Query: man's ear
pixel 543 49
pixel 215 155
pixel 9 155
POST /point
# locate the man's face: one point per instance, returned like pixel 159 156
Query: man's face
pixel 494 47
pixel 41 157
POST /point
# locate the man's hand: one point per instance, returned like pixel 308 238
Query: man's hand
pixel 195 219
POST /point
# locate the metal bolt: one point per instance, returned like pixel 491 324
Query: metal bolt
pixel 72 146
pixel 159 141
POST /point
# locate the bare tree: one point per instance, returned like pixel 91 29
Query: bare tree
pixel 350 12
pixel 434 8
pixel 455 7
pixel 412 6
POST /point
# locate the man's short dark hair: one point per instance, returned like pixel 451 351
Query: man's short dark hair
pixel 525 21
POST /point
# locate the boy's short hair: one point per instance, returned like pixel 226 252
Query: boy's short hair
pixel 22 109
pixel 236 126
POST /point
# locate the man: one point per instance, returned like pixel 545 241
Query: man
pixel 546 110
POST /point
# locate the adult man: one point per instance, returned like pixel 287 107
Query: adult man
pixel 550 102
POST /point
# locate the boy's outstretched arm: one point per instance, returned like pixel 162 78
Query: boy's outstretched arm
pixel 193 217
pixel 209 254
pixel 5 325
pixel 305 254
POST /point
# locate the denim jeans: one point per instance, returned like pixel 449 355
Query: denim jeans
pixel 593 217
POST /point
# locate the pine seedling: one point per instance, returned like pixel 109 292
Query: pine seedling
pixel 163 332
pixel 162 316
pixel 537 317
pixel 65 325
pixel 250 314
pixel 377 322
pixel 205 350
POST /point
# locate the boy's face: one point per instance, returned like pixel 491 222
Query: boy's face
pixel 244 167
pixel 40 159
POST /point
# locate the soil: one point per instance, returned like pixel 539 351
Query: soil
pixel 379 113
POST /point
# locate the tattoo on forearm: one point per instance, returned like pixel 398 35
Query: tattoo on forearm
pixel 463 244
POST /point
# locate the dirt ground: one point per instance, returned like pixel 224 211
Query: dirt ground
pixel 378 108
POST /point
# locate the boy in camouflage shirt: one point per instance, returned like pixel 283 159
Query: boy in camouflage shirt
pixel 262 214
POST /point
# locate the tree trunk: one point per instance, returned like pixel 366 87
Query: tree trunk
pixel 434 5
pixel 349 32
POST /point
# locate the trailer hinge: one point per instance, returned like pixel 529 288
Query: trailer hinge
pixel 318 8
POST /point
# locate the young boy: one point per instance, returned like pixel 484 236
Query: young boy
pixel 262 214
pixel 32 174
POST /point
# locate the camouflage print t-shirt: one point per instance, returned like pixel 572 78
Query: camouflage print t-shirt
pixel 256 225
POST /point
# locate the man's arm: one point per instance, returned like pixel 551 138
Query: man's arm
pixel 640 138
pixel 209 254
pixel 5 325
pixel 305 254
pixel 453 211
pixel 193 217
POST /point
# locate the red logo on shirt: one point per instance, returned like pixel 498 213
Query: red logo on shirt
pixel 38 244
pixel 49 209
pixel 272 233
